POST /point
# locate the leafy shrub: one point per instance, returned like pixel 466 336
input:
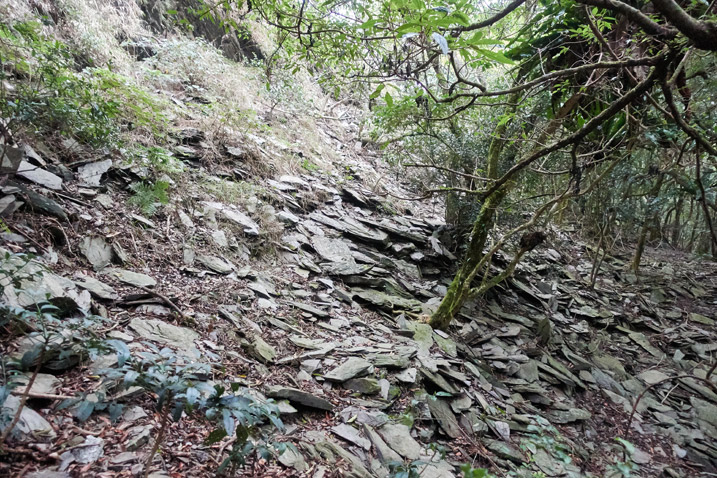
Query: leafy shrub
pixel 180 389
pixel 48 95
pixel 148 198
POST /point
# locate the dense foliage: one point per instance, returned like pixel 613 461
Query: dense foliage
pixel 593 111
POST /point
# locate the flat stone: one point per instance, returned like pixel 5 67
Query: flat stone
pixel 300 397
pixel 31 424
pixel 249 226
pixel 48 474
pixel 138 436
pixel 391 361
pixel 124 457
pixel 385 301
pixel 159 331
pixel 353 367
pixel 90 174
pixel 408 376
pixel 291 458
pixel 399 438
pixel 439 381
pixel 38 202
pixel 447 345
pixel 136 279
pixel 423 335
pixel 39 176
pixel 311 310
pixel 97 251
pixel 441 412
pixel 608 362
pixel 262 351
pixel 287 218
pixel 372 418
pixel 505 450
pixel 87 452
pixel 351 434
pixel 97 288
pixel 652 377
pixel 220 238
pixel 44 383
pixel 529 371
pixel 133 414
pixel 568 416
pixel 365 385
pixel 215 264
pixel 704 410
pixel 105 201
pixel 384 452
pixel 332 250
pixel 311 366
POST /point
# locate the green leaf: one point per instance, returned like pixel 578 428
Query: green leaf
pixel 461 18
pixel 192 395
pixel 377 91
pixel 84 410
pixel 389 99
pixel 409 28
pixel 242 434
pixel 122 350
pixel 215 436
pixel 228 421
pixel 495 56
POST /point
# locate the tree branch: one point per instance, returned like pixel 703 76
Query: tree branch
pixel 495 18
pixel 589 127
pixel 635 15
pixel 703 34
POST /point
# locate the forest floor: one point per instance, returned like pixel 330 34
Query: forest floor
pixel 314 292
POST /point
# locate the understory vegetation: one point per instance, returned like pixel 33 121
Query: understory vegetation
pixel 520 122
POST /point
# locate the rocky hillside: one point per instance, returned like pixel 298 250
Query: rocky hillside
pixel 249 302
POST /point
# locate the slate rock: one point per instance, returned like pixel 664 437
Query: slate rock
pixel 442 413
pixel 249 226
pixel 353 367
pixel 136 279
pixel 261 350
pixel 291 458
pixel 652 377
pixel 87 452
pixel 351 434
pixel 42 204
pixel 300 397
pixel 408 376
pixel 398 437
pixel 138 437
pixel 568 416
pixel 90 174
pixel 365 385
pixel 48 474
pixel 31 424
pixel 44 383
pixel 215 264
pixel 384 452
pixel 372 418
pixel 391 361
pixel 39 176
pixel 156 330
pixel 97 288
pixel 505 450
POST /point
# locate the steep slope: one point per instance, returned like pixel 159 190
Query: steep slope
pixel 262 261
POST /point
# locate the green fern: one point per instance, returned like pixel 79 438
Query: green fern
pixel 149 197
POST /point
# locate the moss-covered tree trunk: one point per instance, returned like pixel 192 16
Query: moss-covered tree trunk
pixel 648 224
pixel 459 289
pixel 460 286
